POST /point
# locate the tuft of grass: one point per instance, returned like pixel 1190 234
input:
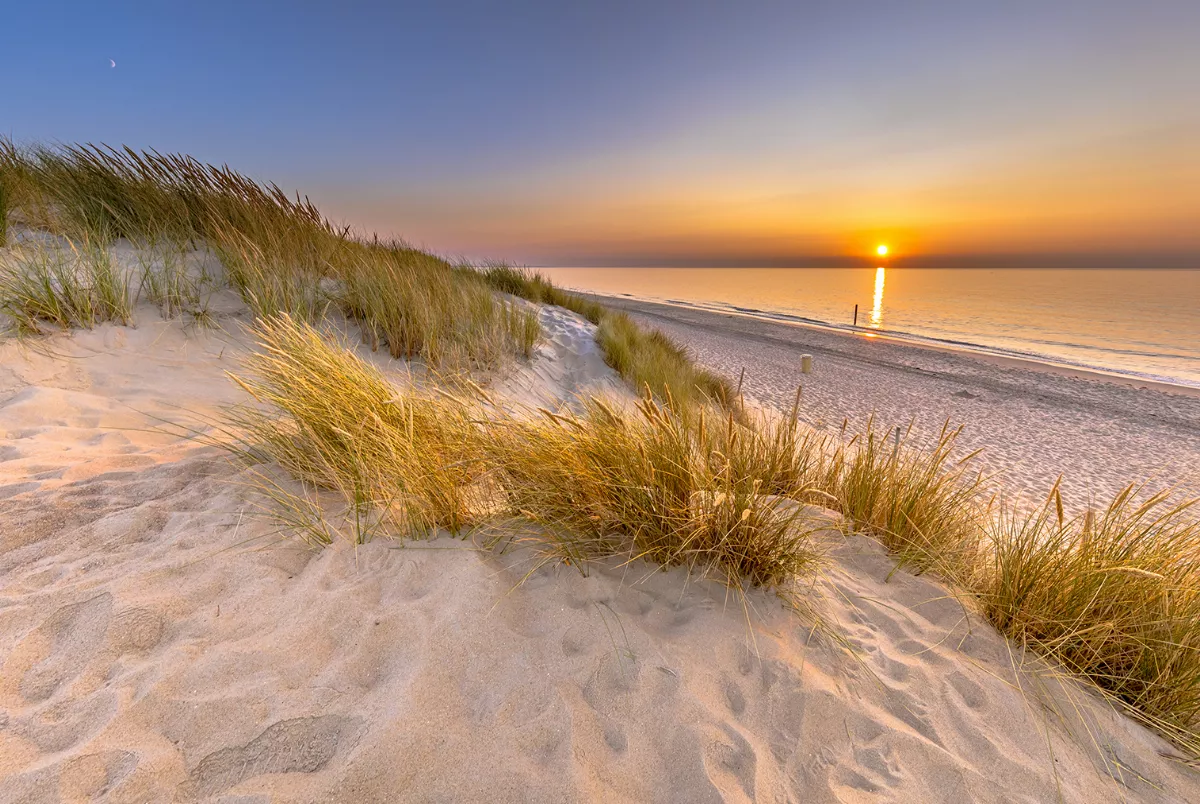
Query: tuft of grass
pixel 919 502
pixel 41 284
pixel 646 484
pixel 334 421
pixel 166 280
pixel 536 288
pixel 415 304
pixel 651 360
pixel 1114 596
pixel 3 212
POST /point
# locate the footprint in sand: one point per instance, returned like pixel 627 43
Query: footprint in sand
pixel 72 635
pixel 302 745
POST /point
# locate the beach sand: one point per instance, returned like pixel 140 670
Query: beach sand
pixel 1034 422
pixel 159 643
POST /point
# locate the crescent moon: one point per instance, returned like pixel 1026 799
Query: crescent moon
pixel 113 63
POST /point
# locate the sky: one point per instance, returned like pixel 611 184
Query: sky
pixel 644 133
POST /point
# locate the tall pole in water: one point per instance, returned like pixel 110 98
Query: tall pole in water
pixel 856 315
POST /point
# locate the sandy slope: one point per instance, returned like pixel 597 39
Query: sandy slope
pixel 156 646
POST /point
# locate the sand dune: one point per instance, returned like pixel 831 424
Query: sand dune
pixel 158 644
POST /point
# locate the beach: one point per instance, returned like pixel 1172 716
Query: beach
pixel 1033 421
pixel 159 641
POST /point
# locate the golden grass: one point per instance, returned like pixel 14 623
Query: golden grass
pixel 77 287
pixel 3 213
pixel 922 504
pixel 1113 595
pixel 279 253
pixel 643 483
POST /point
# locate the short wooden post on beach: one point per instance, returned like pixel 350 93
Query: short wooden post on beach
pixel 806 364
pixel 856 315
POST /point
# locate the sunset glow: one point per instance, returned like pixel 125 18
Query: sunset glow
pixel 877 301
pixel 791 136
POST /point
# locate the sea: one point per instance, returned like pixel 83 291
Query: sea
pixel 1140 323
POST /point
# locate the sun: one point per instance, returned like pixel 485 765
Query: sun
pixel 881 250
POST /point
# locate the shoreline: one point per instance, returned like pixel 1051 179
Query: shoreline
pixel 1034 422
pixel 982 351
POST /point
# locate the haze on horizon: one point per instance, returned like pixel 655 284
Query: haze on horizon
pixel 662 133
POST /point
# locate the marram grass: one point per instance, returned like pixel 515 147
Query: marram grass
pixel 283 256
pixel 641 483
pixel 278 252
pixel 1113 595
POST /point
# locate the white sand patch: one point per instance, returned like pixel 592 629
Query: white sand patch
pixel 154 646
pixel 567 365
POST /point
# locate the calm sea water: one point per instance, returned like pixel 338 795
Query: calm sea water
pixel 1145 323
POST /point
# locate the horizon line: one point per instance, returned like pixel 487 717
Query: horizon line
pixel 1075 261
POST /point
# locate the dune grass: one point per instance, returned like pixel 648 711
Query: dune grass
pixel 80 287
pixel 278 252
pixel 3 213
pixel 1113 595
pixel 283 256
pixel 923 505
pixel 643 483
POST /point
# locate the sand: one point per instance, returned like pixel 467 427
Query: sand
pixel 158 643
pixel 1033 422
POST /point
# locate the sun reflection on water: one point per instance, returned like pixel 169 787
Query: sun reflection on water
pixel 877 310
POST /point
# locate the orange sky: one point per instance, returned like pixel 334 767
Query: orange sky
pixel 666 132
pixel 1031 129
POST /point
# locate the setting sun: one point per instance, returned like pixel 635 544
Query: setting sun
pixel 881 250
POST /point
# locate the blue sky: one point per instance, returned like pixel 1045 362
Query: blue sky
pixel 656 132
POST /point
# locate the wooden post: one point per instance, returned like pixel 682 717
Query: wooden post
pixel 856 315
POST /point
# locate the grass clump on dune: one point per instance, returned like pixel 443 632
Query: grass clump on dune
pixel 922 504
pixel 417 305
pixel 3 213
pixel 650 483
pixel 641 483
pixel 334 421
pixel 1114 595
pixel 83 287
